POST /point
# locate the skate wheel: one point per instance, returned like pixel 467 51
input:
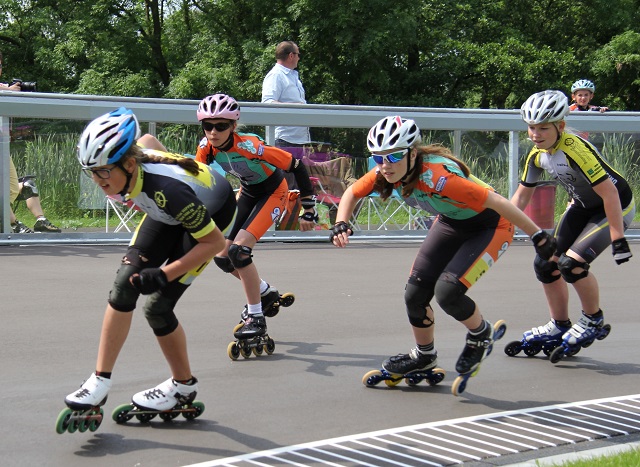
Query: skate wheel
pixel 372 378
pixel 83 425
pixel 413 380
pixel 121 413
pixel 237 327
pixel 532 351
pixel 95 423
pixel 556 355
pixel 168 416
pixel 145 417
pixel 198 409
pixel 587 344
pixel 547 350
pixel 499 329
pixel 513 348
pixel 270 346
pixel 257 350
pixel 287 299
pixel 436 377
pixel 606 329
pixel 63 421
pixel 394 381
pixel 245 350
pixel 459 385
pixel 233 351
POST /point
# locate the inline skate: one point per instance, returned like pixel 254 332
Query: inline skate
pixel 476 349
pixel 542 338
pixel 581 335
pixel 84 406
pixel 413 367
pixel 167 400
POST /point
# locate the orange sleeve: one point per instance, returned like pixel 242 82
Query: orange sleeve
pixel 468 192
pixel 364 185
pixel 202 153
pixel 276 156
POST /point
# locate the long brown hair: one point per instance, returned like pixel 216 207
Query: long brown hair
pixel 141 157
pixel 385 188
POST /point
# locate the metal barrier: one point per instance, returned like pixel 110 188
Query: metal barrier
pixel 81 107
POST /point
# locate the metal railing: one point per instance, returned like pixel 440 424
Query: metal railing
pixel 82 107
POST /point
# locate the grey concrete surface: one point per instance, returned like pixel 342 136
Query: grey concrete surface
pixel 348 316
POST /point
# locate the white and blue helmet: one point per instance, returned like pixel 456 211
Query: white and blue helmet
pixel 583 84
pixel 545 107
pixel 391 133
pixel 107 138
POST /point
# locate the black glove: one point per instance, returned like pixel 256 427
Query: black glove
pixel 339 228
pixel 621 251
pixel 546 250
pixel 310 216
pixel 149 280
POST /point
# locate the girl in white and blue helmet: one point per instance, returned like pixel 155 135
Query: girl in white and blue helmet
pixel 188 207
pixel 600 210
pixel 473 222
pixel 582 92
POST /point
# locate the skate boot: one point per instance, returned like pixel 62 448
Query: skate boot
pixel 254 326
pixel 19 227
pixel 413 367
pixel 168 400
pixel 541 338
pixel 84 406
pixel 92 393
pixel 581 335
pixel 403 364
pixel 43 225
pixel 270 300
pixel 476 349
pixel 166 396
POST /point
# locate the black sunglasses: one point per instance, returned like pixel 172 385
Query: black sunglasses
pixel 220 126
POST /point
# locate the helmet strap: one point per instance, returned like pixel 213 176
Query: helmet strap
pixel 128 176
pixel 409 168
pixel 227 144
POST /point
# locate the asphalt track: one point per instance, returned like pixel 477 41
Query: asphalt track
pixel 348 316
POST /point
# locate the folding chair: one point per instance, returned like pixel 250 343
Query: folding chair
pixel 126 213
pixel 391 211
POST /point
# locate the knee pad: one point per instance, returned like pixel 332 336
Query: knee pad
pixel 29 189
pixel 224 263
pixel 544 270
pixel 417 301
pixel 566 264
pixel 158 310
pixel 123 296
pixel 240 256
pixel 453 300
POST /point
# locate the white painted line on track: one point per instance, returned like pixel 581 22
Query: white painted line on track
pixel 572 419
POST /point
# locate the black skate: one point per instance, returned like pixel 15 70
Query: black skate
pixel 125 412
pixel 271 302
pixel 581 335
pixel 412 367
pixel 476 349
pixel 251 336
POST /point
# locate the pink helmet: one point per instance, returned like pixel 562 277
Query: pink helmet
pixel 218 106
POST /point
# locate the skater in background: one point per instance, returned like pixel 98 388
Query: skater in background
pixel 472 230
pixel 600 210
pixel 261 201
pixel 188 208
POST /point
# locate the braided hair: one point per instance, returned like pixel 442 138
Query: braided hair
pixel 142 157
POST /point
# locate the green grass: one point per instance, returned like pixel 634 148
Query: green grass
pixel 629 458
pixel 52 158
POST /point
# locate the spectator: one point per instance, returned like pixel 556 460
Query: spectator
pixel 582 92
pixel 24 189
pixel 282 85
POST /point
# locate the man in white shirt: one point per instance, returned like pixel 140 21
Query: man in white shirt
pixel 282 84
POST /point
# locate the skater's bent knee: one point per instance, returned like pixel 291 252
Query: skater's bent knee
pixel 452 298
pixel 240 256
pixel 571 269
pixel 417 300
pixel 546 271
pixel 160 315
pixel 224 263
pixel 123 296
